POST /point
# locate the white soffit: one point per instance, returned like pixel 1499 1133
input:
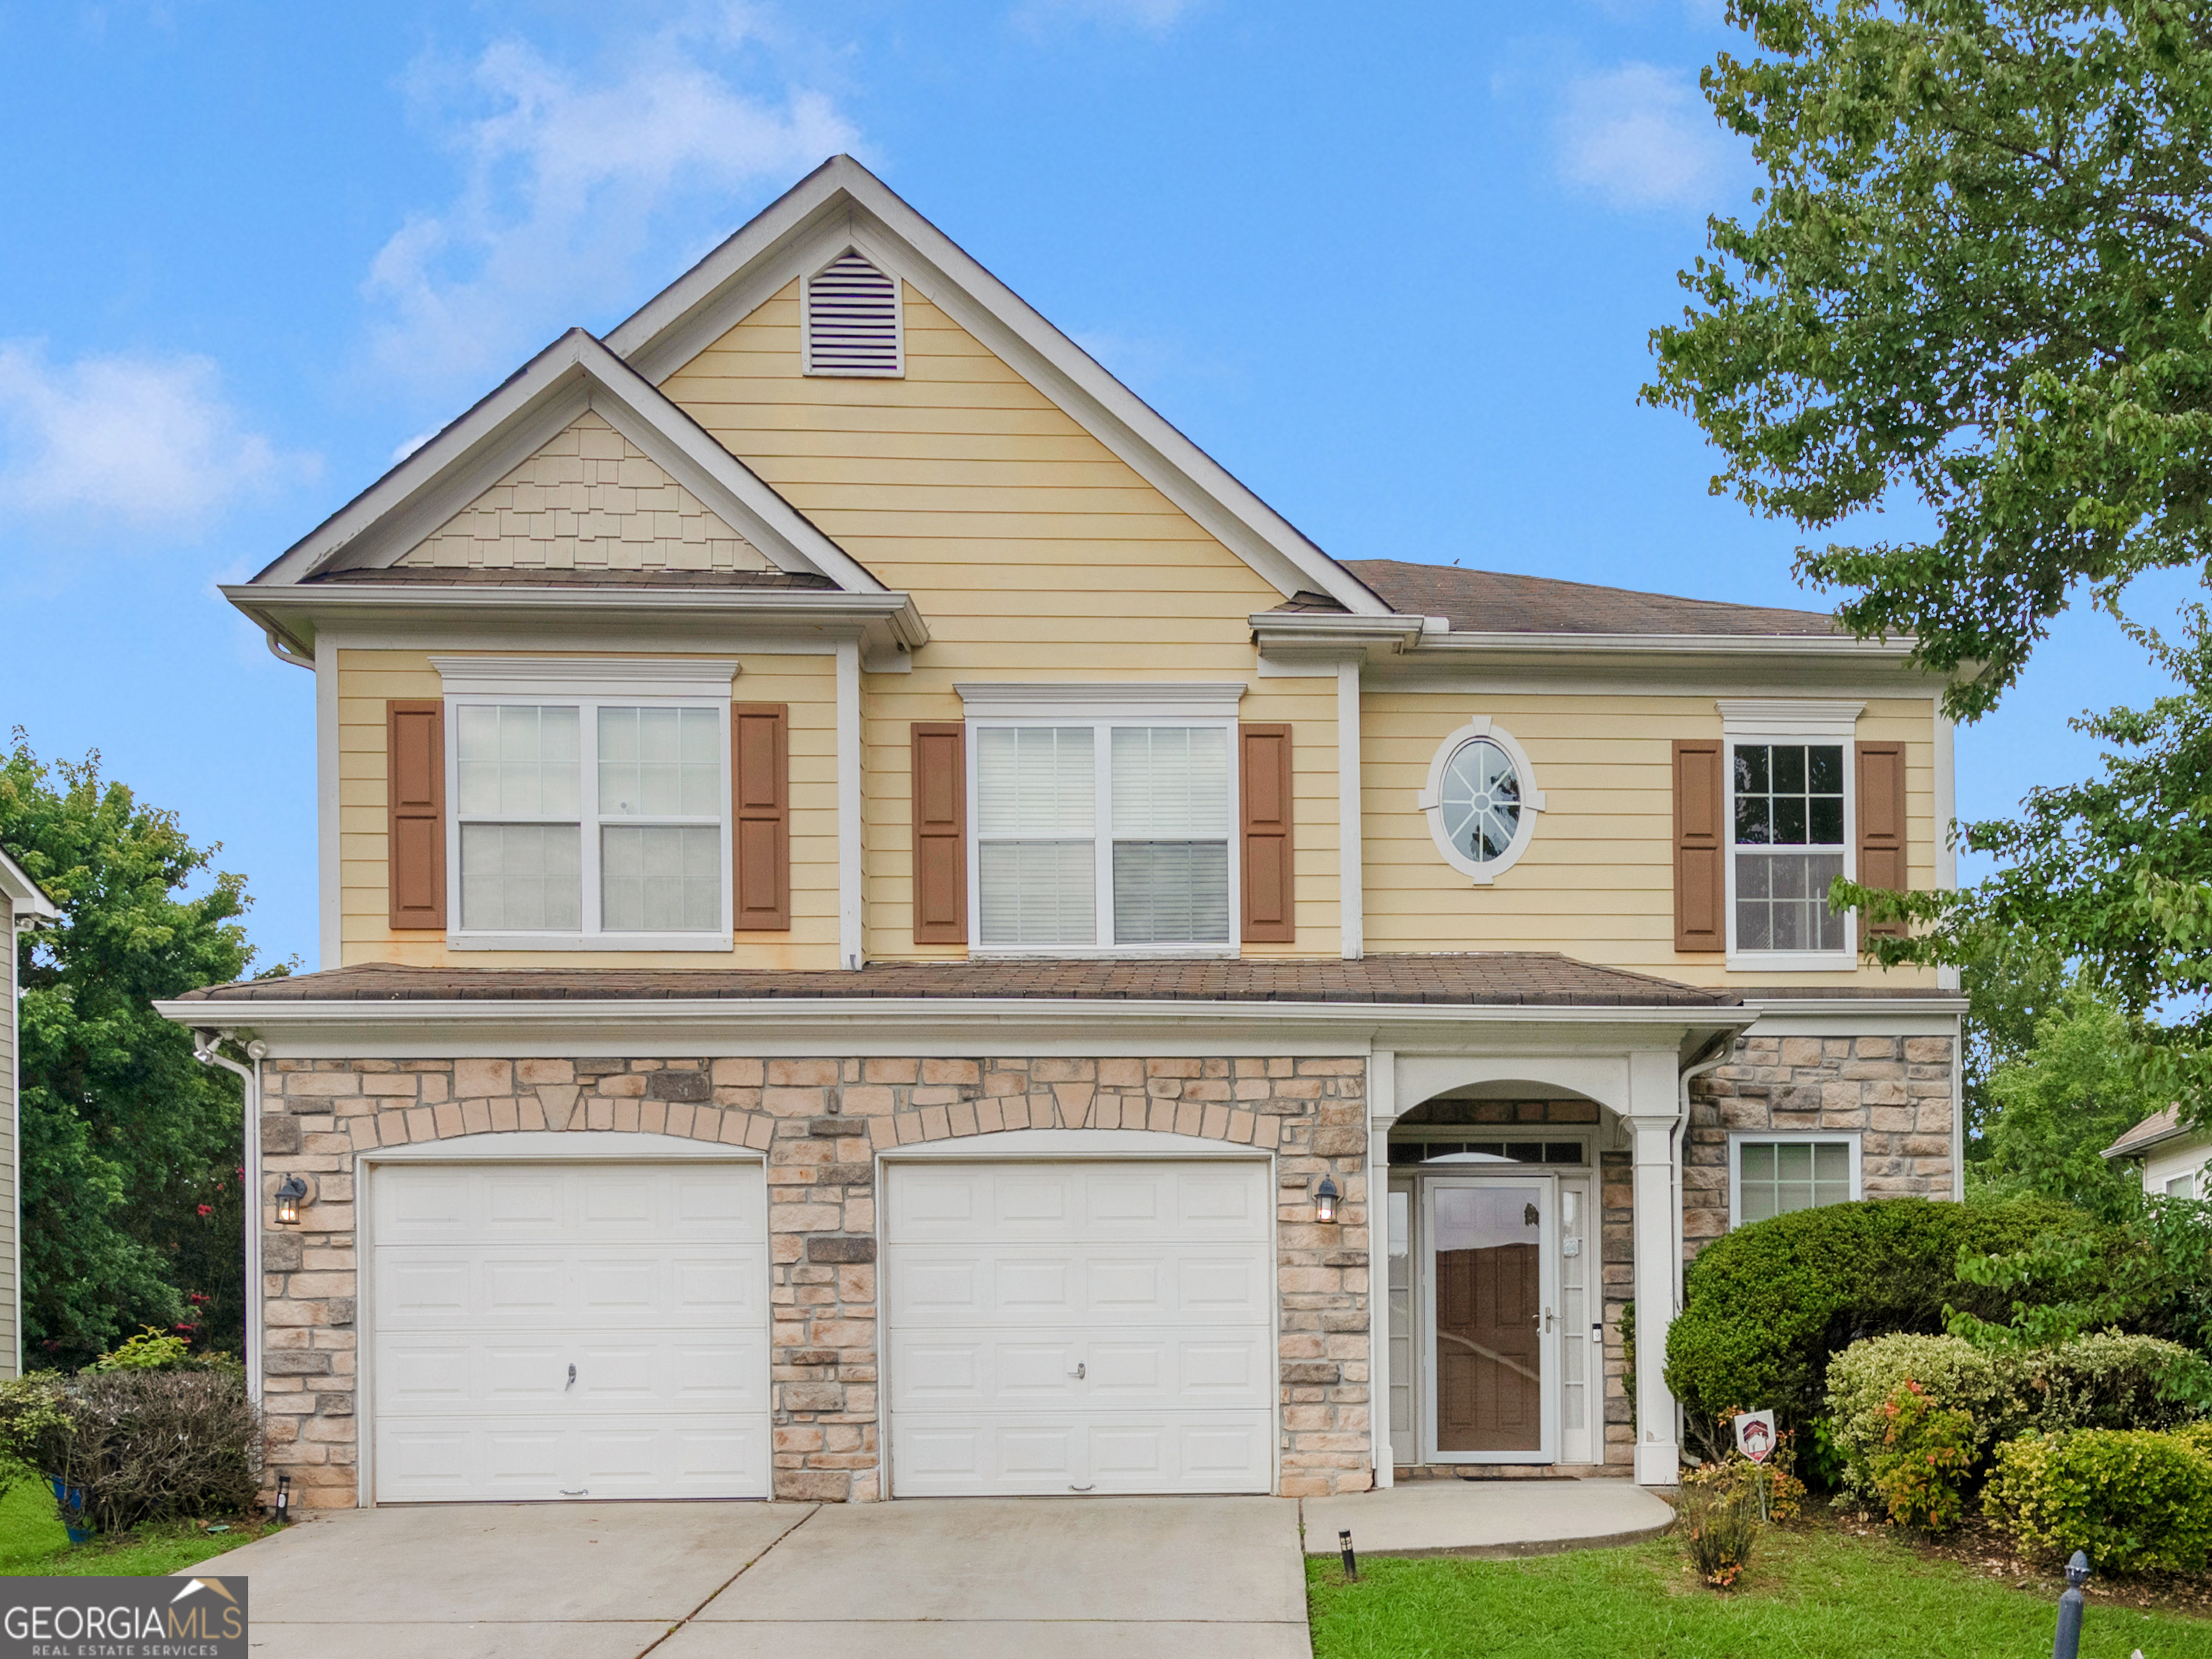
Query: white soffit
pixel 841 204
pixel 576 373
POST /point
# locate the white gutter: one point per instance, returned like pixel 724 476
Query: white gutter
pixel 204 1050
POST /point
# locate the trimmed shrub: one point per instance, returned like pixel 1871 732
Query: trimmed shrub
pixel 2109 1381
pixel 2132 1501
pixel 1925 1460
pixel 1865 1377
pixel 1765 1307
pixel 143 1444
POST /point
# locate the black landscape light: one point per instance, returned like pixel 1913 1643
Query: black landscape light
pixel 283 1498
pixel 1325 1197
pixel 289 1192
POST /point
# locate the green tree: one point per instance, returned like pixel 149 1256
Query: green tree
pixel 2061 1104
pixel 2010 982
pixel 126 1136
pixel 1980 274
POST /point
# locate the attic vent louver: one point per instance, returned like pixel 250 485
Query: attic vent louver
pixel 851 320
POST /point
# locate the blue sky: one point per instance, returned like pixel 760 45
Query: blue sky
pixel 1394 266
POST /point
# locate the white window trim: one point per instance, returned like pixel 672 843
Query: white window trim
pixel 1792 721
pixel 1763 1137
pixel 1101 717
pixel 807 322
pixel 585 685
pixel 1431 801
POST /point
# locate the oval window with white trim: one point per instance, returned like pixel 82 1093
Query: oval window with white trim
pixel 1481 801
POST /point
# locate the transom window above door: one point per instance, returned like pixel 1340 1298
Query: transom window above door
pixel 1102 834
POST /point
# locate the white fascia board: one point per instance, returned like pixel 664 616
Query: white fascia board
pixel 25 897
pixel 575 374
pixel 710 614
pixel 842 200
pixel 932 1026
pixel 1782 1017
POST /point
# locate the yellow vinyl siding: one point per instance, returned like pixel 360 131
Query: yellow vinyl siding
pixel 1034 551
pixel 1598 880
pixel 807 683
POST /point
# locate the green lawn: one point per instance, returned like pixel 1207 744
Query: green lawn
pixel 1806 1595
pixel 33 1544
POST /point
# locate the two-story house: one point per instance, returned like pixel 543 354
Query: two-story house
pixel 889 929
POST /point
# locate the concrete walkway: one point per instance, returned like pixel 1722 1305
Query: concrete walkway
pixel 1178 1578
pixel 1487 1517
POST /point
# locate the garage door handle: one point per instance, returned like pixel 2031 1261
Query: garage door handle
pixel 572 1377
pixel 1080 1368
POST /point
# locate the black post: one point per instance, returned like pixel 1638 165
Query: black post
pixel 1351 1561
pixel 2068 1644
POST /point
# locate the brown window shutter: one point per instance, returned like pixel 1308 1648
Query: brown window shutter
pixel 940 832
pixel 1270 912
pixel 1882 826
pixel 760 797
pixel 415 806
pixel 1700 844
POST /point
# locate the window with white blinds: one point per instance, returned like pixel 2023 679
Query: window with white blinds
pixel 638 852
pixel 1103 834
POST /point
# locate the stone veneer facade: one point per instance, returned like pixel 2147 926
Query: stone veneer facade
pixel 818 1123
pixel 1898 1094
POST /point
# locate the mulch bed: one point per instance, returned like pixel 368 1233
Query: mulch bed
pixel 1983 1549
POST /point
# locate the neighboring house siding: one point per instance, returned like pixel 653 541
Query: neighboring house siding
pixel 805 683
pixel 589 499
pixel 10 1298
pixel 2189 1157
pixel 1597 880
pixel 1035 553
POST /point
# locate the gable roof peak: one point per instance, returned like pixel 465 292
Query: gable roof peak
pixel 842 204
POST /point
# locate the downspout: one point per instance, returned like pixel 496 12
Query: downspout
pixel 205 1051
pixel 1725 1041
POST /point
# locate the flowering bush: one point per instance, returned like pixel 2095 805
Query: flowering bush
pixel 1926 1458
pixel 1865 1378
pixel 1717 1525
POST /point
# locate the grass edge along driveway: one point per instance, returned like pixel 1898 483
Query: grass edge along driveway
pixel 1806 1595
pixel 35 1545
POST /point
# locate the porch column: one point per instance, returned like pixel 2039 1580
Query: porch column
pixel 1653 1087
pixel 1382 1113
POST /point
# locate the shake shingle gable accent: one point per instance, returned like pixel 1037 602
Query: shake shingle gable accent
pixel 1486 979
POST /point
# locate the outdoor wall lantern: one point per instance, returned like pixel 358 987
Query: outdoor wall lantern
pixel 289 1192
pixel 1325 1197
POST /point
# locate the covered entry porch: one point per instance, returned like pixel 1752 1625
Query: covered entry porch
pixel 1524 1204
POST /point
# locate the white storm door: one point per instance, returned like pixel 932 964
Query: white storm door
pixel 1080 1327
pixel 557 1330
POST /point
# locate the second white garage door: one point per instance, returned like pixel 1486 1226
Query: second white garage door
pixel 1059 1327
pixel 550 1331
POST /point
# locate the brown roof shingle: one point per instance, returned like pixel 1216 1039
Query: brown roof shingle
pixel 1492 602
pixel 1488 979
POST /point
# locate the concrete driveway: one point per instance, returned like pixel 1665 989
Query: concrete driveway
pixel 1073 1578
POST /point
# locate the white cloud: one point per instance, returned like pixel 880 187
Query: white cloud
pixel 567 181
pixel 144 441
pixel 1640 136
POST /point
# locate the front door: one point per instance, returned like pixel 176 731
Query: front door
pixel 1491 1333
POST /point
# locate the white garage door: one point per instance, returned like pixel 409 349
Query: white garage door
pixel 1058 1327
pixel 546 1331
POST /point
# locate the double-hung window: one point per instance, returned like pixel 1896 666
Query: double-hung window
pixel 1104 834
pixel 1790 818
pixel 597 820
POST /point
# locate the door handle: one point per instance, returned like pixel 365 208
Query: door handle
pixel 1081 1367
pixel 572 1378
pixel 1543 1320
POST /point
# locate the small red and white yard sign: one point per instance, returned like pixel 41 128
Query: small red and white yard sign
pixel 1754 1435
